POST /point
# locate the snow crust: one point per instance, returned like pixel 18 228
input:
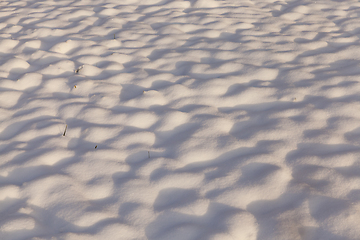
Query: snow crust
pixel 181 120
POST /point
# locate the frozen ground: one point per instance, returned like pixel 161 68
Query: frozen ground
pixel 185 120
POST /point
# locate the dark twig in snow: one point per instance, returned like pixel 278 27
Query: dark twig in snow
pixel 65 131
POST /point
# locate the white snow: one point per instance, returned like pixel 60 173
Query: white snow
pixel 179 119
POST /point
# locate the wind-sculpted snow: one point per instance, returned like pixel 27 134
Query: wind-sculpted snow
pixel 181 120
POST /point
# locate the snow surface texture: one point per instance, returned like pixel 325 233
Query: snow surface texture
pixel 185 120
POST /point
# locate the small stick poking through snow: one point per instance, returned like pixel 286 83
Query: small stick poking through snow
pixel 65 130
pixel 79 68
pixel 149 154
pixel 96 146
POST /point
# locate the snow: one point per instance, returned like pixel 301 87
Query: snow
pixel 182 120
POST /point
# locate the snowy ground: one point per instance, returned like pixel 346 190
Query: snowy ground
pixel 185 120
